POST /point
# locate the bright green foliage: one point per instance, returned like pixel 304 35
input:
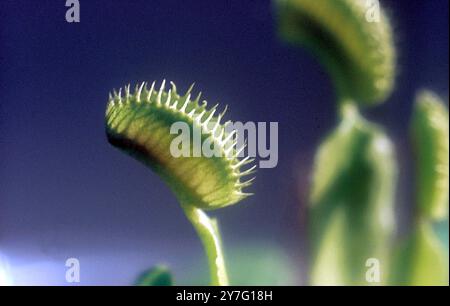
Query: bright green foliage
pixel 140 124
pixel 357 50
pixel 208 231
pixel 156 276
pixel 421 260
pixel 355 172
pixel 430 137
pixel 352 216
pixel 253 263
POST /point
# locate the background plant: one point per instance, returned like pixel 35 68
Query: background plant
pixel 355 172
pixel 421 259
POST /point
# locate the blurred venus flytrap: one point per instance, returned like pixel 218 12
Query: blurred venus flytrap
pixel 355 172
pixel 359 54
pixel 352 216
pixel 430 139
pixel 421 259
pixel 139 124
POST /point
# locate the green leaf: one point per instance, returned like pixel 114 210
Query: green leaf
pixel 351 215
pixel 156 276
pixel 421 260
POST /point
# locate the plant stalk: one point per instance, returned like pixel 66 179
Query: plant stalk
pixel 208 232
pixel 347 107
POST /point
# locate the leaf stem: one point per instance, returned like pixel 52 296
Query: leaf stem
pixel 347 107
pixel 209 234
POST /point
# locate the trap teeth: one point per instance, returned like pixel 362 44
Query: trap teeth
pixel 136 124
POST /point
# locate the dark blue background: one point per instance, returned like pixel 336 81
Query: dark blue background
pixel 65 192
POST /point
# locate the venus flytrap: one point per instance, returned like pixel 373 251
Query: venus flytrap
pixel 351 215
pixel 359 55
pixel 355 171
pixel 139 124
pixel 430 139
pixel 421 259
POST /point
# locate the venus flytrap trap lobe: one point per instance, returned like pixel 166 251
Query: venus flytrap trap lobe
pixel 430 139
pixel 421 259
pixel 139 124
pixel 355 169
pixel 357 53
